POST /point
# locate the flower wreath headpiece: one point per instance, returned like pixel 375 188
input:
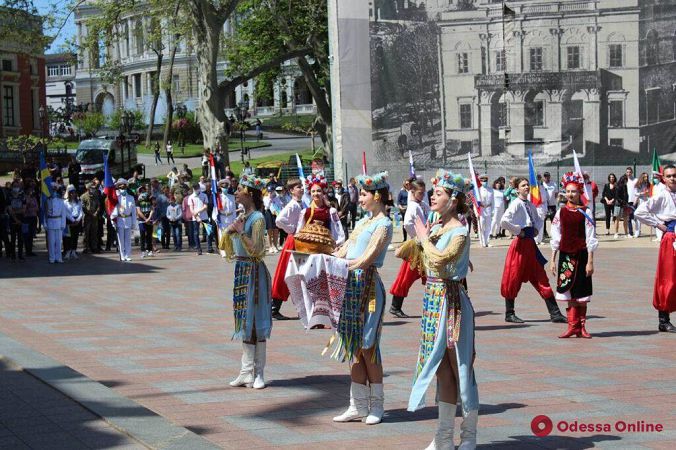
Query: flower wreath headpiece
pixel 452 181
pixel 372 182
pixel 573 178
pixel 254 182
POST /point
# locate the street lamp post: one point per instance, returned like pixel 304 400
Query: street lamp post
pixel 181 112
pixel 241 112
pixel 42 112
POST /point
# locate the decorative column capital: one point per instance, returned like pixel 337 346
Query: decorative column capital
pixel 486 37
pixel 594 29
pixel 556 31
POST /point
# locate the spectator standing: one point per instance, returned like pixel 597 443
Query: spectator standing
pixel 498 207
pixel 353 191
pixel 162 221
pixel 16 210
pixel 172 177
pixel 205 162
pixel 74 222
pixel 91 209
pixel 552 189
pixel 74 169
pixel 187 219
pixel 174 216
pixel 156 150
pixel 609 200
pixel 402 203
pixel 170 153
pixel 144 211
pixel 55 222
pixel 4 222
pixel 259 129
pixel 343 204
pixel 623 213
pixel 197 204
pixel 30 218
pixel 631 202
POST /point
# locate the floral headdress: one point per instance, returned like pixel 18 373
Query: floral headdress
pixel 452 181
pixel 372 182
pixel 317 179
pixel 573 178
pixel 254 182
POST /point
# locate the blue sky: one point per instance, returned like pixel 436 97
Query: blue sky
pixel 68 31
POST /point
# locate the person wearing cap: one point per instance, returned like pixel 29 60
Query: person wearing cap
pixel 91 205
pixel 123 217
pixel 245 243
pixel 659 211
pixel 56 216
pixel 363 307
pixel 486 216
pixel 74 220
pixel 524 261
pixel 447 330
pixel 574 242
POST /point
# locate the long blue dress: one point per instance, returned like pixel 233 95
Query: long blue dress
pixel 252 300
pixel 447 321
pixel 360 322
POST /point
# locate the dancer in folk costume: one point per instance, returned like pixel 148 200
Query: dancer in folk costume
pixel 416 208
pixel 524 262
pixel 659 211
pixel 245 243
pixel 319 209
pixel 573 238
pixel 361 318
pixel 447 328
pixel 287 220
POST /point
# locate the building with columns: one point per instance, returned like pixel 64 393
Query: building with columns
pixel 137 63
pixel 553 76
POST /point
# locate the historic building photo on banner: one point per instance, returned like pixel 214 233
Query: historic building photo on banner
pixel 502 79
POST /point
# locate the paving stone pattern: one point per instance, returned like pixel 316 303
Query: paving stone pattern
pixel 158 332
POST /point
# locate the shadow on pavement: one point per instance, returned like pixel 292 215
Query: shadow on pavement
pixel 486 313
pixel 604 334
pixel 35 415
pixel 526 442
pixel 500 327
pixel 487 410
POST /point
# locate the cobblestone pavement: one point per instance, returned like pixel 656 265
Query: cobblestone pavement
pixel 158 332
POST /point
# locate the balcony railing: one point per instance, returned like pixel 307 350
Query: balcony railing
pixel 545 8
pixel 538 80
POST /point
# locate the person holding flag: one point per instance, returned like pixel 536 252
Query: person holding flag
pixel 574 241
pixel 660 212
pixel 123 216
pixel 524 262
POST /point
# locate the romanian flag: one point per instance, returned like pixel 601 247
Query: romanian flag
pixel 45 186
pixel 108 186
pixel 535 197
pixel 656 170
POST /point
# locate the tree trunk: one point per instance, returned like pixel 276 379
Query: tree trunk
pixel 210 111
pixel 324 121
pixel 156 97
pixel 167 92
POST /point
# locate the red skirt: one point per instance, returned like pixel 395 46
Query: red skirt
pixel 664 294
pixel 279 289
pixel 522 266
pixel 405 279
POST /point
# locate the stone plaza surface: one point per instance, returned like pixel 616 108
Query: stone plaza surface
pixel 157 332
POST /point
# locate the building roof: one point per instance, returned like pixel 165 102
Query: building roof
pixel 60 58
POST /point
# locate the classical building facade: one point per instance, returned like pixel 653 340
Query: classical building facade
pixel 60 80
pixel 553 76
pixel 137 63
pixel 22 86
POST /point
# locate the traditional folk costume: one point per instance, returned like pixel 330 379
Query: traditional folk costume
pixel 251 293
pixel 408 275
pixel 361 318
pixel 524 262
pixel 287 220
pixel 573 235
pixel 323 215
pixel 661 209
pixel 447 321
pixel 124 220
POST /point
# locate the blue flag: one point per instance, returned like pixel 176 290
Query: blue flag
pixel 45 186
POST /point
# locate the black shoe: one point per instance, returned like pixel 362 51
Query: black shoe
pixel 554 312
pixel 665 325
pixel 279 316
pixel 199 253
pixel 511 317
pixel 211 250
pixel 398 313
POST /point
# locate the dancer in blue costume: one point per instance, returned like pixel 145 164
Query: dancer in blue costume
pixel 245 242
pixel 361 318
pixel 447 328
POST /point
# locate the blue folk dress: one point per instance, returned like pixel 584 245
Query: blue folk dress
pixel 361 317
pixel 252 300
pixel 448 316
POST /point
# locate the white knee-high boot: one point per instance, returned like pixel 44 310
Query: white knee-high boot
pixel 468 431
pixel 359 404
pixel 377 408
pixel 246 376
pixel 259 366
pixel 443 439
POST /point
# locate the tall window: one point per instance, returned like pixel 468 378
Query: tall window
pixel 125 31
pixel 65 70
pixel 463 63
pixel 176 85
pixel 615 55
pixel 535 113
pixel 573 57
pixel 137 85
pixel 466 115
pixel 652 47
pixel 502 115
pixel 536 59
pixel 7 65
pixel 616 113
pixel 138 35
pixel 500 61
pixel 9 119
pixel 53 71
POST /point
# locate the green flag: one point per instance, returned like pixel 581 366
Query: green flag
pixel 656 170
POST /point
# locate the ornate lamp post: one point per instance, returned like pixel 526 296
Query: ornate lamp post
pixel 181 112
pixel 42 112
pixel 241 112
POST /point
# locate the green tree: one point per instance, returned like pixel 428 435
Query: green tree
pixel 90 122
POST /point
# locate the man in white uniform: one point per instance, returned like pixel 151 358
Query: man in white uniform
pixel 486 218
pixel 124 219
pixel 55 223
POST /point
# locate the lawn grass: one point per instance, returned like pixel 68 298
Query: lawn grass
pixel 193 150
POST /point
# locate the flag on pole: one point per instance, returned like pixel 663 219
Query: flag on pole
pixel 214 183
pixel 363 163
pixel 411 168
pixel 45 186
pixel 578 170
pixel 301 175
pixel 108 186
pixel 476 184
pixel 535 196
pixel 656 171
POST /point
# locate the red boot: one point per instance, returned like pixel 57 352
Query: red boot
pixel 582 315
pixel 573 323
